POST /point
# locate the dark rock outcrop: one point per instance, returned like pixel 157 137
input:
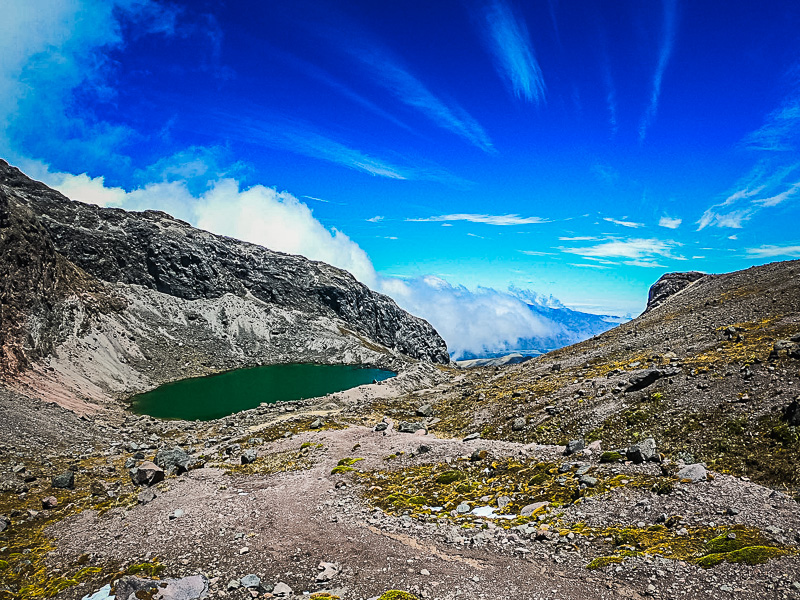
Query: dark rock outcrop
pixel 669 285
pixel 154 250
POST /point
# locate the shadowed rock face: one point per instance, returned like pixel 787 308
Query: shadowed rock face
pixel 669 285
pixel 154 250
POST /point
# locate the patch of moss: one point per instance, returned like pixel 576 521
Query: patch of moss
pixel 750 555
pixel 418 488
pixel 348 462
pixel 607 457
pixel 604 561
pixel 323 596
pixel 278 462
pixel 397 595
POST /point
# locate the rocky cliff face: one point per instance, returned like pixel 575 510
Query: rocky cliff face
pixel 156 251
pixel 669 285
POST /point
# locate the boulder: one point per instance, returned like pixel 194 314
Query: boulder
pixel 642 452
pixel 692 473
pixel 147 473
pixel 64 481
pixel 529 509
pixel 250 581
pixel 172 461
pixel 519 424
pixel 316 424
pixel 49 502
pixel 282 590
pixel 574 446
pixel 382 426
pixel 409 427
pixel 193 587
pixel 249 456
pixel 472 436
pixel 327 571
pixel 643 380
pixel 426 410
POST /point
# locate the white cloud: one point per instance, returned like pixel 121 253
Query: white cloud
pixel 664 54
pixel 477 321
pixel 588 266
pixel 624 223
pixel 486 219
pixel 509 41
pixel 639 251
pixel 778 198
pixel 769 251
pixel 376 219
pixel 579 238
pixel 670 222
pixel 733 237
pixel 535 253
pixel 48 48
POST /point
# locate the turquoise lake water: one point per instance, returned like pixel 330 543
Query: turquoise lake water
pixel 216 396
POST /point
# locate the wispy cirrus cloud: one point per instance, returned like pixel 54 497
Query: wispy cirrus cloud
pixel 769 251
pixel 485 219
pixel 624 223
pixel 764 187
pixel 637 252
pixel 300 137
pixel 509 41
pixel 781 128
pixel 669 222
pixel 664 54
pixel 388 72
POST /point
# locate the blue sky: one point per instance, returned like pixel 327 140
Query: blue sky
pixel 579 149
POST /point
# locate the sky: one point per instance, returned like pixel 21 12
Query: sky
pixel 448 153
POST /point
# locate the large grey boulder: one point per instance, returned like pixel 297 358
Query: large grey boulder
pixel 642 452
pixel 147 473
pixel 65 480
pixel 642 380
pixel 193 587
pixel 174 461
pixel 692 473
pixel 669 285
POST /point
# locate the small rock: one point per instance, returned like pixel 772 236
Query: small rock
pixel 596 446
pixel 249 456
pixel 643 379
pixel 248 581
pixel 426 410
pixel 574 446
pixel 642 452
pixel 409 427
pixel 244 550
pixel 316 424
pixel 425 572
pixel 529 509
pixel 99 488
pixel 176 514
pixel 478 455
pixel 233 584
pixel 587 480
pixel 64 481
pixel 503 501
pixel 519 424
pixel 146 495
pixel 463 508
pixel 423 449
pixel 792 413
pixel 281 590
pixel 129 463
pixel 382 426
pixel 147 473
pixel 49 502
pixel 472 436
pixel 327 571
pixel 692 473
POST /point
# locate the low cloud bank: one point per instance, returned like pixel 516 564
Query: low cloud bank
pixel 471 322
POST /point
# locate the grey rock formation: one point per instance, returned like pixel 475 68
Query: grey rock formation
pixel 669 285
pixel 156 251
pixel 173 461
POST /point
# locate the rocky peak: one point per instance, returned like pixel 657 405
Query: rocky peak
pixel 669 285
pixel 156 251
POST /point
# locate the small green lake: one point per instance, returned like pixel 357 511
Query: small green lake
pixel 216 396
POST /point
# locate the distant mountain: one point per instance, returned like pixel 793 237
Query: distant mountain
pixel 569 327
